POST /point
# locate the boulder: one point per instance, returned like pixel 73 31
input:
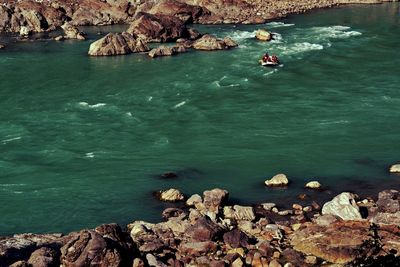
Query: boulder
pixel 388 201
pixel 277 180
pixel 344 206
pixel 44 257
pixel 158 28
pixel 173 212
pixel 236 238
pixel 313 185
pixel 89 248
pixel 166 51
pixel 195 249
pixel 213 199
pixel 203 230
pixel 395 168
pixel 339 242
pixel 117 44
pixel 185 12
pixel 209 42
pixel 239 213
pixel 2 46
pixel 71 32
pixel 193 200
pixel 171 195
pixel 263 35
pixel 154 262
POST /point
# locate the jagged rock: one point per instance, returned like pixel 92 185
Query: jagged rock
pixel 239 213
pixel 313 185
pixel 117 44
pixel 395 168
pixel 263 35
pixel 339 242
pixel 44 257
pixel 21 246
pixel 214 198
pixel 71 32
pixel 193 200
pixel 166 51
pixel 88 248
pixel 194 249
pixel 160 28
pixel 185 12
pixel 236 239
pixel 209 42
pixel 344 206
pixel 193 34
pixel 389 201
pixel 277 180
pixel 203 230
pixel 171 195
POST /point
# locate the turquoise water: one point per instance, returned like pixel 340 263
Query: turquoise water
pixel 84 140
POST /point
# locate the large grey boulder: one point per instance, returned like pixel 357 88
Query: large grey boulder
pixel 117 44
pixel 344 206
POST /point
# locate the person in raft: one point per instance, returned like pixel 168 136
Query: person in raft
pixel 265 58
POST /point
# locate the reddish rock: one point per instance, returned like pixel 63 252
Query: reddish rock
pixel 236 239
pixel 197 248
pixel 203 230
pixel 44 257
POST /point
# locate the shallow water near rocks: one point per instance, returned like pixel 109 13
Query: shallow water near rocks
pixel 83 140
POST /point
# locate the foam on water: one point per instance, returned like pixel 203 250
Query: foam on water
pixel 297 48
pixel 240 35
pixel 277 24
pixel 180 104
pixel 5 141
pixel 86 105
pixel 335 32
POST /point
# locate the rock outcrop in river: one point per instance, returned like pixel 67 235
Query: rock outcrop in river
pixel 117 44
pixel 208 231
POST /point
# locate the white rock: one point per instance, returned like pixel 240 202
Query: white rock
pixel 343 206
pixel 313 185
pixel 277 180
pixel 395 168
pixel 193 200
pixel 24 31
pixel 268 206
pixel 263 35
pixel 239 213
pixel 171 195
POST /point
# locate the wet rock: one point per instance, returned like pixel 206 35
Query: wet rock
pixel 203 230
pixel 344 206
pixel 2 46
pixel 44 257
pixel 277 180
pixel 158 28
pixel 209 42
pixel 117 44
pixel 173 212
pixel 263 35
pixel 239 213
pixel 71 32
pixel 197 248
pixel 313 185
pixel 171 195
pixel 395 168
pixel 339 242
pixel 59 38
pixel 166 51
pixel 236 239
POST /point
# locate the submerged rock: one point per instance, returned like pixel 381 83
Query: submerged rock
pixel 209 42
pixel 277 180
pixel 263 35
pixel 344 206
pixel 166 51
pixel 117 44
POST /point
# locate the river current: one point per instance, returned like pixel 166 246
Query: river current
pixel 84 140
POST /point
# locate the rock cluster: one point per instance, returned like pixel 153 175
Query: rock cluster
pixel 209 232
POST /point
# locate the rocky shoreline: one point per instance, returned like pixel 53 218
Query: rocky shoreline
pixel 209 230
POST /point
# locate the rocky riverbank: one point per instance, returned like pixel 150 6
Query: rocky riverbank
pixel 209 230
pixel 41 16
